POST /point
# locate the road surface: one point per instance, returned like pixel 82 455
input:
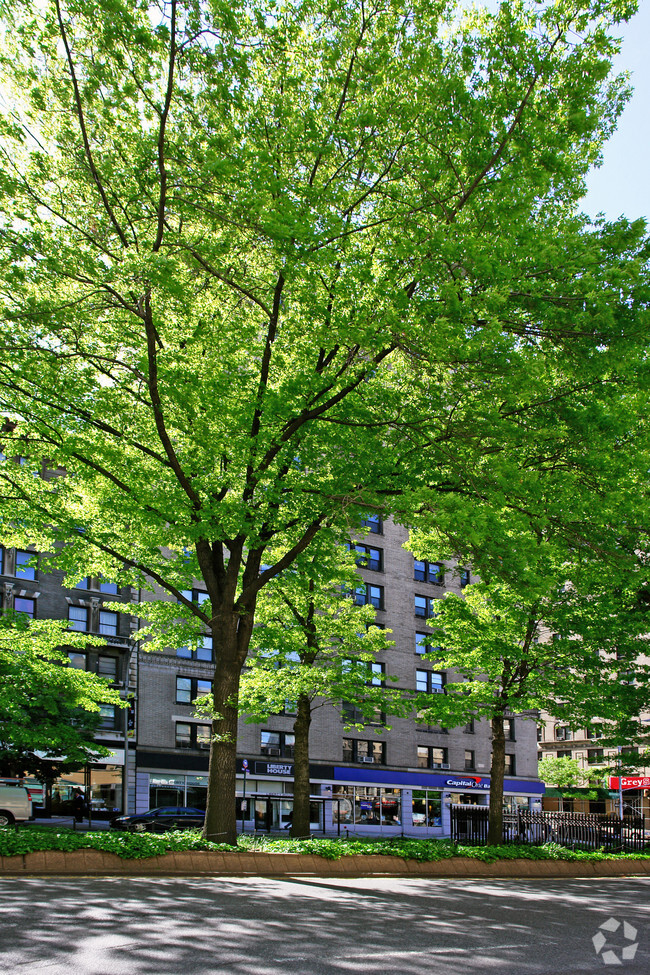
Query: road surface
pixel 313 926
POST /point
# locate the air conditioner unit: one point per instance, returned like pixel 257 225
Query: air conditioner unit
pixel 436 765
pixel 272 751
pixel 445 765
pixel 366 759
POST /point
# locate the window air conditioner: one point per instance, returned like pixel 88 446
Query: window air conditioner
pixel 367 759
pixel 445 765
pixel 272 751
pixel 436 764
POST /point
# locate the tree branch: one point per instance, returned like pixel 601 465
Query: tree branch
pixel 161 132
pixel 154 395
pixel 84 133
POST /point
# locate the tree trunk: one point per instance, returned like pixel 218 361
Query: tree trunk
pixel 300 821
pixel 220 815
pixel 495 825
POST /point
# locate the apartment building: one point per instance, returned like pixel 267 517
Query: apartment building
pixel 28 589
pixel 598 763
pixel 402 779
pixel 398 780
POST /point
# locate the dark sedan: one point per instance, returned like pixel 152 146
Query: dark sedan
pixel 161 819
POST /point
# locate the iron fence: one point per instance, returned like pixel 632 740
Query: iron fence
pixel 590 831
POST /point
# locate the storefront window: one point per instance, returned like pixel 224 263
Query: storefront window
pixel 104 793
pixel 513 804
pixel 366 807
pixel 166 790
pixel 343 805
pixel 197 791
pixel 427 808
pixel 106 790
pixel 369 806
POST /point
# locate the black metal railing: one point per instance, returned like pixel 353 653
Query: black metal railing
pixel 589 831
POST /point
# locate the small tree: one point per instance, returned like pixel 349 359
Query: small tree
pixel 46 705
pixel 317 648
pixel 499 639
pixel 563 773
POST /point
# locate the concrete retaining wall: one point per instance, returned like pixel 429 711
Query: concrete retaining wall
pixel 198 864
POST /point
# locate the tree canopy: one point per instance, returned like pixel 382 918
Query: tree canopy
pixel 267 267
pixel 578 654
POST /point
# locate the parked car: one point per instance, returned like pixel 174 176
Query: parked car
pixel 161 819
pixel 15 805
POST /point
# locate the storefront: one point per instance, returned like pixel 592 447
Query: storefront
pixel 345 799
pixel 416 803
pixel 102 784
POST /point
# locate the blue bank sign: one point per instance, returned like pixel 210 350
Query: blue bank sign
pixel 433 780
pixel 470 782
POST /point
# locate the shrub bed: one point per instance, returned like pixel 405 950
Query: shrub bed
pixel 139 846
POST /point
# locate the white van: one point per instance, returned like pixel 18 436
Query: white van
pixel 15 805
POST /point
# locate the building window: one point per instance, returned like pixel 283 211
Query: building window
pixel 77 618
pixel 509 728
pixel 352 714
pixel 470 763
pixel 361 751
pixel 469 727
pixel 464 578
pixel 430 681
pixel 195 595
pixel 77 660
pixel 373 673
pixel 427 808
pixel 510 765
pixel 368 557
pixel 94 582
pixel 540 732
pixel 425 607
pixel 23 569
pixel 107 667
pixel 24 605
pixel 107 623
pixel 193 735
pixel 431 756
pixel 433 572
pixel 367 595
pixel 565 753
pixel 595 731
pixel 2 561
pixel 629 750
pixel 563 733
pixel 107 717
pixel 420 643
pixel 276 744
pixel 202 650
pixel 594 755
pixel 189 688
pixel 374 524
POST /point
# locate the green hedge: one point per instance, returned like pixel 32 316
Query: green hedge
pixel 138 846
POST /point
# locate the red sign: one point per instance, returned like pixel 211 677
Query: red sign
pixel 630 782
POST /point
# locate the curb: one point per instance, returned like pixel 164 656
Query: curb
pixel 95 863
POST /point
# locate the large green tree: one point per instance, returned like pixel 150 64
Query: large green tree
pixel 262 265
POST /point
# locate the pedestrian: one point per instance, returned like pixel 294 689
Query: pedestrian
pixel 78 805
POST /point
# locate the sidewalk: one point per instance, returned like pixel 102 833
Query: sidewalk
pixel 68 822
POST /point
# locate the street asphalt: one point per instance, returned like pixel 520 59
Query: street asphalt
pixel 310 926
